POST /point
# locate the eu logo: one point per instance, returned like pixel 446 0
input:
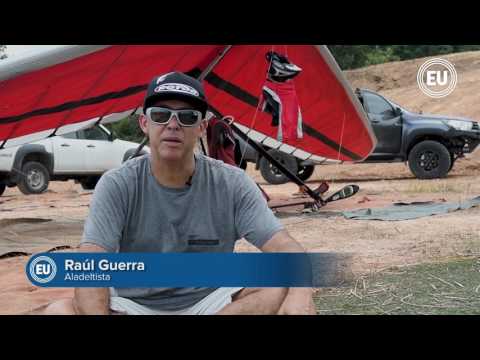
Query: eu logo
pixel 42 269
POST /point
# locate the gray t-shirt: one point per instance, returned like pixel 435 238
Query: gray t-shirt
pixel 131 212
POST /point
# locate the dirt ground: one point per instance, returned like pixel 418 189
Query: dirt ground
pixel 39 223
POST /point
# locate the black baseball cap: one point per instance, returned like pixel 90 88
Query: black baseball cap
pixel 176 85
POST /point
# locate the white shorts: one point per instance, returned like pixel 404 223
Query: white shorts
pixel 209 305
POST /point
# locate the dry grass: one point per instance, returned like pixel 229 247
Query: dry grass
pixel 435 186
pixel 444 288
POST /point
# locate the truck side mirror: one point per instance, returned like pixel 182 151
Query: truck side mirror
pixel 398 111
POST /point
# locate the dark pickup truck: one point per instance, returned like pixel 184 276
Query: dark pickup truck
pixel 429 143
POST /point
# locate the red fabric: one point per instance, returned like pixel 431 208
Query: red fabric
pixel 325 105
pixel 290 115
pixel 113 69
pixel 221 143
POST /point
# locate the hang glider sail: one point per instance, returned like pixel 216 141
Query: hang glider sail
pixel 72 87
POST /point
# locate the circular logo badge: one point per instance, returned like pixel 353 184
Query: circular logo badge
pixel 43 269
pixel 437 78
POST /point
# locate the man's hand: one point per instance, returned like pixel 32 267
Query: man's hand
pixel 298 301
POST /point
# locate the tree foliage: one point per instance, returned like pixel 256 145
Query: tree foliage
pixel 127 129
pixel 355 56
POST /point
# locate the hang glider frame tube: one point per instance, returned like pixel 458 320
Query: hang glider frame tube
pixel 316 197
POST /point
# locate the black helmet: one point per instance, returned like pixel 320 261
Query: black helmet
pixel 281 69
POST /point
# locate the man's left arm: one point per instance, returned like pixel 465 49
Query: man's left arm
pixel 255 222
pixel 298 301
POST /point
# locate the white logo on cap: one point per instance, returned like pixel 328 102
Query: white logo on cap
pixel 174 87
pixel 163 77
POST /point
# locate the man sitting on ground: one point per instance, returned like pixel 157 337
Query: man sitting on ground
pixel 174 200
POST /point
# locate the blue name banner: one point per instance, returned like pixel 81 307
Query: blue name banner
pixel 124 270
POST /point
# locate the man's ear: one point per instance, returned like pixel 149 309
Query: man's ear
pixel 143 122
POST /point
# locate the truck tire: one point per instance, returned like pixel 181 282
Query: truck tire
pixel 452 162
pixel 271 174
pixel 2 189
pixel 34 178
pixel 90 182
pixel 429 160
pixel 305 172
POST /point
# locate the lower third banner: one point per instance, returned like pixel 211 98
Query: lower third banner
pixel 123 270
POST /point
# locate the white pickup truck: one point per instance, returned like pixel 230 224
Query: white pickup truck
pixel 82 156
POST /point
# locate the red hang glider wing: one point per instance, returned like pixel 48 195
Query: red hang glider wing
pixel 72 87
pixel 335 125
pixel 64 90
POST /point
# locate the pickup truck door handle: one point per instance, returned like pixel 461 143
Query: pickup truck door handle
pixel 375 121
pixel 65 145
pixel 90 146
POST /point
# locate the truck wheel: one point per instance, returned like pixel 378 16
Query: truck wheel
pixel 34 178
pixel 305 172
pixel 452 162
pixel 429 160
pixel 90 182
pixel 2 189
pixel 271 174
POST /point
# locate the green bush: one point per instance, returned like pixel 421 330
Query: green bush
pixel 127 129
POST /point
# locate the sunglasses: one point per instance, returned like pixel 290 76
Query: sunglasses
pixel 186 117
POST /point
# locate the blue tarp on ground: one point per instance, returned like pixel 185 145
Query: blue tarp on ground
pixel 408 211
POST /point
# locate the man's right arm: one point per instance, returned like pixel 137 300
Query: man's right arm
pixel 91 301
pixel 102 233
